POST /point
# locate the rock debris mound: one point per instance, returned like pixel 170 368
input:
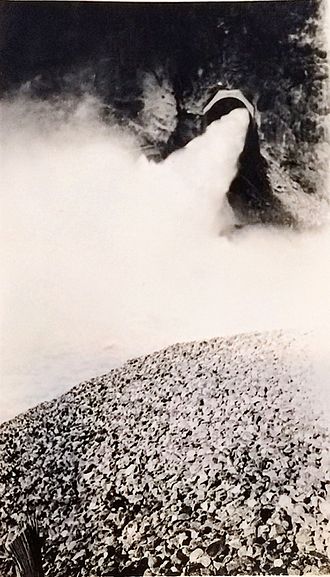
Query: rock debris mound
pixel 206 458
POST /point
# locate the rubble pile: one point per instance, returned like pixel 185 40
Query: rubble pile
pixel 207 458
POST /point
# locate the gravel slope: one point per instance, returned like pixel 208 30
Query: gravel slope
pixel 205 458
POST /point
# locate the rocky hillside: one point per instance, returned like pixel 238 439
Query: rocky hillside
pixel 207 458
pixel 119 50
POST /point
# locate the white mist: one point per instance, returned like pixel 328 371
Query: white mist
pixel 108 256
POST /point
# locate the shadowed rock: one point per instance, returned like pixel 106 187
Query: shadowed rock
pixel 25 550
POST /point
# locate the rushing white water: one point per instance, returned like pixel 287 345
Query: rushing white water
pixel 107 256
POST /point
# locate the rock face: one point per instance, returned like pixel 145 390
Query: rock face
pixel 109 49
pixel 151 67
pixel 250 193
pixel 204 459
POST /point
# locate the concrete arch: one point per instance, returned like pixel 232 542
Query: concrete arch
pixel 223 102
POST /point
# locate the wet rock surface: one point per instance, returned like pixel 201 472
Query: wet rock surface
pixel 203 459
